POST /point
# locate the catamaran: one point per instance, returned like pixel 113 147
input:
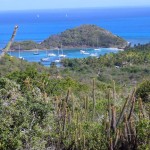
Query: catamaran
pixel 93 55
pixel 84 52
pixel 46 59
pixel 51 54
pixel 62 55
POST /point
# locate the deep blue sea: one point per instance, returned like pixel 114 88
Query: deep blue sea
pixel 132 24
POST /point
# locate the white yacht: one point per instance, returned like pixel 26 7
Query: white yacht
pixel 84 52
pixel 51 54
pixel 62 55
pixel 93 55
pixel 46 59
pixel 57 61
pixel 20 57
pixel 97 49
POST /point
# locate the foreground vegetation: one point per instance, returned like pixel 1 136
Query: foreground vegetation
pixel 94 103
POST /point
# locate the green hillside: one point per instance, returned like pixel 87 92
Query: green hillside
pixel 93 103
pixel 82 36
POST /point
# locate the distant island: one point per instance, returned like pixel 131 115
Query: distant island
pixel 82 36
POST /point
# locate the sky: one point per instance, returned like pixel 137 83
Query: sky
pixel 54 4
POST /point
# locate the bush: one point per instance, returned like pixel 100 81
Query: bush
pixel 143 91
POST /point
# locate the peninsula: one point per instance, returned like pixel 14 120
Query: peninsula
pixel 82 36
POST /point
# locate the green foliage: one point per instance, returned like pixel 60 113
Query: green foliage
pixel 65 108
pixel 23 118
pixel 25 45
pixel 82 36
pixel 143 132
pixel 143 91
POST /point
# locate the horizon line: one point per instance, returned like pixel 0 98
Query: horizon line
pixel 102 7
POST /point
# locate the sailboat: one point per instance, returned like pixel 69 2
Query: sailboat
pixel 62 55
pixel 97 49
pixel 36 52
pixel 51 54
pixel 20 57
pixel 45 59
pixel 58 59
pixel 84 52
pixel 93 54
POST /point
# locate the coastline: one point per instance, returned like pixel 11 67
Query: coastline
pixel 65 49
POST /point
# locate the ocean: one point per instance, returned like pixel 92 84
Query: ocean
pixel 132 24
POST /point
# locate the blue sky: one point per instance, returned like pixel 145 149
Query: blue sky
pixel 52 4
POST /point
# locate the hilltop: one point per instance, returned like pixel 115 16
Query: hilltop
pixel 82 36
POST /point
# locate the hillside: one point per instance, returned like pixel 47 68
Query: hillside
pixel 87 104
pixel 82 36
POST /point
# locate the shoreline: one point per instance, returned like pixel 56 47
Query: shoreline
pixel 78 48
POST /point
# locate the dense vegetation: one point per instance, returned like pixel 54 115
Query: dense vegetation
pixel 26 45
pixel 89 103
pixel 82 36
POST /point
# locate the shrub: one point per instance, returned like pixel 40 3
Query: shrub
pixel 143 91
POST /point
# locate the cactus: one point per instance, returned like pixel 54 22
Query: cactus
pixel 73 106
pixel 94 101
pixel 110 144
pixel 114 92
pixel 141 108
pixel 67 97
pixel 127 126
pixel 113 122
pixel 109 106
pixel 84 142
pixel 108 129
pixel 132 108
pixel 116 138
pixel 123 110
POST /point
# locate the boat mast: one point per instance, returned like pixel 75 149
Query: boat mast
pixel 5 50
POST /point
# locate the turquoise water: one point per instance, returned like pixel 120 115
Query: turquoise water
pixel 74 53
pixel 132 24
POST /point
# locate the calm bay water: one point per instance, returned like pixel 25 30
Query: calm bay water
pixel 74 53
pixel 132 24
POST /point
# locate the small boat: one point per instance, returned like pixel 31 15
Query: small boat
pixel 20 57
pixel 51 54
pixel 84 52
pixel 93 55
pixel 97 49
pixel 62 55
pixel 113 49
pixel 57 60
pixel 36 52
pixel 46 59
